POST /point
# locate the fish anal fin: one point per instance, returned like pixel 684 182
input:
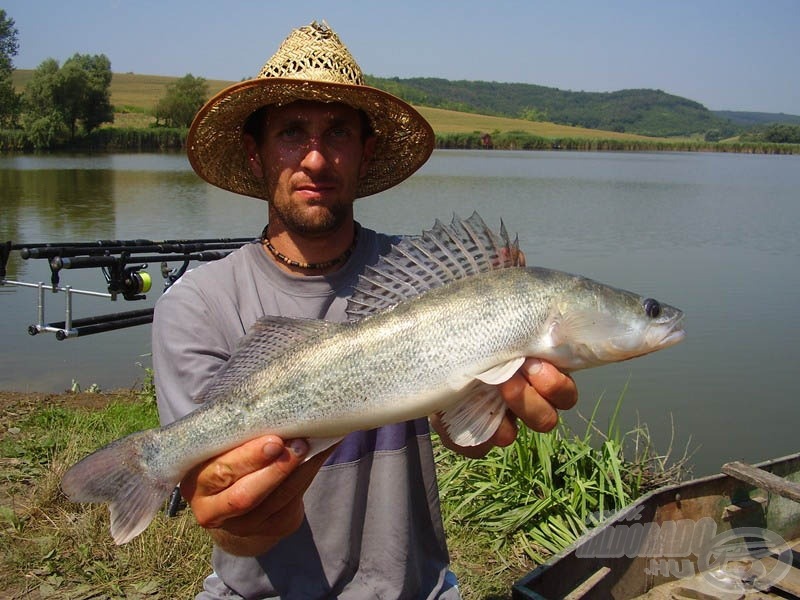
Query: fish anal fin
pixel 475 418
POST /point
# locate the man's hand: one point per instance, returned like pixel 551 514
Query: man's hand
pixel 534 394
pixel 251 497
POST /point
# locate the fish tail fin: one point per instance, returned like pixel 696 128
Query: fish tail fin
pixel 121 475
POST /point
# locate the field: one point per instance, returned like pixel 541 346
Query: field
pixel 134 96
pixel 450 121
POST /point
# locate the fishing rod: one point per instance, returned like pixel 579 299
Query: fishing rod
pixel 123 264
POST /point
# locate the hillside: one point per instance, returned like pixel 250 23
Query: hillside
pixel 469 106
pixel 645 112
pixel 134 96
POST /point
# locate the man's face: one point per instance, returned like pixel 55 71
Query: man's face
pixel 311 157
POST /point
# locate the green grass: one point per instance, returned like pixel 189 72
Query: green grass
pixel 518 506
pixel 503 514
pixel 53 548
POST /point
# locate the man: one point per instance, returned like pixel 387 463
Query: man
pixel 360 520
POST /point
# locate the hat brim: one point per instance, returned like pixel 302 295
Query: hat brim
pixel 404 139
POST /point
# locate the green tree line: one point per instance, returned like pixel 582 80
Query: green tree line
pixel 66 105
pixel 776 133
pixel 641 111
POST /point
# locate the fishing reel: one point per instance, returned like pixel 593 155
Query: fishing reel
pixel 132 282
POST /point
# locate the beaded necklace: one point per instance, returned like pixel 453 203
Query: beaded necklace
pixel 304 265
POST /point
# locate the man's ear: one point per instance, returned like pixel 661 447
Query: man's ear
pixel 366 155
pixel 253 157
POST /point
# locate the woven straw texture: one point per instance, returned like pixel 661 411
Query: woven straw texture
pixel 311 64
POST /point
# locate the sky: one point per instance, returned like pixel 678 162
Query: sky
pixel 725 54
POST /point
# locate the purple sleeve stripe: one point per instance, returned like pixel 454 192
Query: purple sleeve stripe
pixel 391 437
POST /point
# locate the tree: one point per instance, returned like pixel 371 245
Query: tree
pixel 85 91
pixel 181 101
pixel 57 99
pixel 9 100
pixel 43 123
pixel 782 133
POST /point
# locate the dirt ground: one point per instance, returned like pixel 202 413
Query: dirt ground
pixel 21 403
pixel 16 406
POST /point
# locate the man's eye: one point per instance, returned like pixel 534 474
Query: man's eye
pixel 340 132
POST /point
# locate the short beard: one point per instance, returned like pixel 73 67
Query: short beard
pixel 298 221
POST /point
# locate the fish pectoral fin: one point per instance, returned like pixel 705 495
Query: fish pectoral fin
pixel 502 372
pixel 587 325
pixel 475 418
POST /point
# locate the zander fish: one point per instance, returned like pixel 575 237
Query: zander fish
pixel 435 326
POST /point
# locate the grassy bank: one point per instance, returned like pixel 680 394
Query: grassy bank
pixel 52 548
pixel 503 513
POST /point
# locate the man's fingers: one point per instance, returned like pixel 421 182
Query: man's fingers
pixel 559 389
pixel 220 472
pixel 506 432
pixel 535 394
pixel 234 482
pixel 280 511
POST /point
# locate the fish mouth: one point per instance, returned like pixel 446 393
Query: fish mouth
pixel 673 335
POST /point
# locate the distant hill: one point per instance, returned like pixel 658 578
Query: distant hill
pixel 752 119
pixel 641 111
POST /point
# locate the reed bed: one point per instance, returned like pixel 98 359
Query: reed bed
pixel 523 140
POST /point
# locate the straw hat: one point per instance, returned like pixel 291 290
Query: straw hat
pixel 311 64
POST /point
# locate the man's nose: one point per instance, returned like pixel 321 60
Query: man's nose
pixel 314 156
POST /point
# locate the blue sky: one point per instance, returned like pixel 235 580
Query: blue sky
pixel 726 54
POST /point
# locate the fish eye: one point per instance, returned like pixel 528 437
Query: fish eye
pixel 652 308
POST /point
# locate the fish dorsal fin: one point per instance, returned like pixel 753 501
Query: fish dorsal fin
pixel 268 338
pixel 439 256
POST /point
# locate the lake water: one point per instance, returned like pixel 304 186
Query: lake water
pixel 714 234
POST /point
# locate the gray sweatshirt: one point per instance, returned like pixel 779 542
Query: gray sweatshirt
pixel 373 527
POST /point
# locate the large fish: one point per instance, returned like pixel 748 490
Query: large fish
pixel 436 324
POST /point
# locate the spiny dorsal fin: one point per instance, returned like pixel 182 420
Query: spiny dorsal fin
pixel 268 338
pixel 439 256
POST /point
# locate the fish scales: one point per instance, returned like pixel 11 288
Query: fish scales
pixel 301 395
pixel 440 347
